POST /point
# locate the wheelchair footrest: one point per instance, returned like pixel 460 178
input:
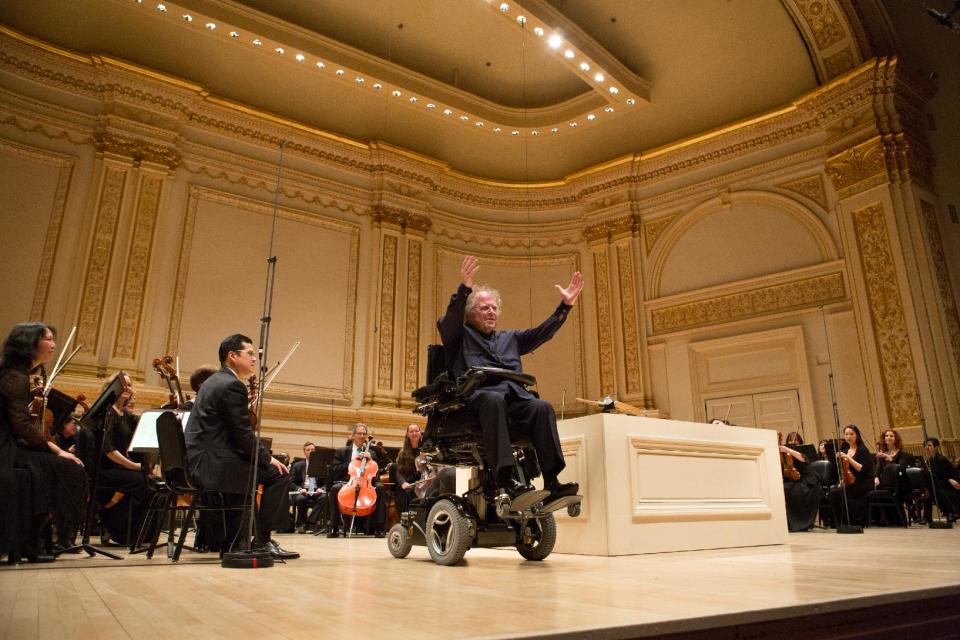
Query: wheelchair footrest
pixel 560 503
pixel 526 500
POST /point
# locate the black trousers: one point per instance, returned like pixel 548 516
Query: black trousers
pixel 500 413
pixel 856 502
pixel 307 508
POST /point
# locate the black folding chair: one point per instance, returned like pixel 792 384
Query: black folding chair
pixel 825 471
pixel 884 497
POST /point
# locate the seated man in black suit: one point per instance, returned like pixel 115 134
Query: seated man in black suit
pixel 221 444
pixel 339 476
pixel 470 339
pixel 307 501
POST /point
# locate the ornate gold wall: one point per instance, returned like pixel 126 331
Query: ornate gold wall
pixel 142 211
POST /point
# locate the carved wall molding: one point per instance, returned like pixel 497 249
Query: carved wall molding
pixel 400 218
pixel 411 339
pixel 134 285
pixel 199 194
pixel 112 181
pixel 859 168
pixel 948 302
pixel 388 288
pixel 629 319
pixel 777 298
pixel 608 381
pixel 48 255
pixel 136 149
pixel 829 33
pixel 811 187
pixel 609 229
pixel 887 315
pixel 653 229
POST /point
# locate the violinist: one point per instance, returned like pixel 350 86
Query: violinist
pixel 221 443
pixel 414 477
pixel 801 492
pixel 58 483
pixel 342 457
pixel 855 457
pixel 946 479
pixel 119 473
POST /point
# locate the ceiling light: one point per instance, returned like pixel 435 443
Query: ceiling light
pixel 430 105
pixel 608 109
pixel 464 118
pixel 614 90
pixel 447 112
pixel 377 86
pixel 188 17
pixel 279 50
pixel 521 19
pixel 321 66
pixel 631 101
pixel 573 125
pixel 340 73
pixel 584 66
pixel 538 31
pixel 497 130
pixel 598 77
pixel 211 26
pixel 478 123
pixel 514 133
pixel 257 42
pixel 592 117
pixel 568 54
pixel 359 79
pixel 300 57
pixel 161 8
pixel 534 133
pixel 234 34
pixel 413 100
pixel 396 93
pixel 554 130
pixel 504 7
pixel 555 41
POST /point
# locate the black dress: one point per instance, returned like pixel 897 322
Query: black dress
pixel 116 516
pixel 802 497
pixel 57 486
pixel 857 492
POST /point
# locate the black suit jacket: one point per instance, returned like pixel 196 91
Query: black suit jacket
pixel 341 462
pixel 220 442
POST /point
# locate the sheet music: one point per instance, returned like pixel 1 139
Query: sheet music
pixel 145 437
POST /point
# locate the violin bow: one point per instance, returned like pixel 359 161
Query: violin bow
pixel 57 366
pixel 272 373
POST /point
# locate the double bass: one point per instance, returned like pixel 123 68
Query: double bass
pixel 164 368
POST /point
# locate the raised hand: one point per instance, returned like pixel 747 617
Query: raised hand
pixel 468 270
pixel 572 292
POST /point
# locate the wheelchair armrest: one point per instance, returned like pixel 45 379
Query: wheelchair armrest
pixel 475 377
pixel 442 383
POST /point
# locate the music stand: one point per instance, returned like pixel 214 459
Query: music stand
pixel 93 420
pixel 318 466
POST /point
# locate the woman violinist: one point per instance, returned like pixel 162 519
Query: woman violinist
pixel 801 490
pixel 58 482
pixel 414 477
pixel 856 478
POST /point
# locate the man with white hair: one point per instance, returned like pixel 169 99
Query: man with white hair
pixel 470 339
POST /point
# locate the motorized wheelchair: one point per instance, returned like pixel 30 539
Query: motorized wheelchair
pixel 450 524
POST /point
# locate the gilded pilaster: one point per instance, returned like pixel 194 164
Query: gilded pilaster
pixel 411 339
pixel 601 256
pixel 628 320
pixel 388 287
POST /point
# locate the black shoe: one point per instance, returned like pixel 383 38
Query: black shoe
pixel 561 489
pixel 515 488
pixel 279 553
pixel 33 554
pixel 333 534
pixel 379 534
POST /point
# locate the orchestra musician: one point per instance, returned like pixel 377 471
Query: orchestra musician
pixel 860 461
pixel 411 469
pixel 946 481
pixel 58 485
pixel 221 443
pixel 307 504
pixel 469 336
pixel 802 496
pixel 339 475
pixel 118 472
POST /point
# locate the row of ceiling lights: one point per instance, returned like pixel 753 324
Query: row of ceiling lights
pixel 555 41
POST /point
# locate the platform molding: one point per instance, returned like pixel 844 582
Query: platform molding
pixel 653 485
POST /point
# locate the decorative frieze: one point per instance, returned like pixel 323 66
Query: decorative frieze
pixel 604 321
pixel 628 318
pixel 137 267
pixel 411 356
pixel 887 314
pixel 778 298
pixel 653 229
pixel 859 168
pixel 629 223
pixel 136 149
pixel 399 218
pixel 388 287
pixel 811 187
pixel 947 300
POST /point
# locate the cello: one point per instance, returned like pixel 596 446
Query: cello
pixel 359 497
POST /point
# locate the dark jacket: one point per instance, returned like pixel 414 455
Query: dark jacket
pixel 342 459
pixel 220 442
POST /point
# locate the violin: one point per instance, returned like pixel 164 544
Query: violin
pixel 359 497
pixel 790 471
pixel 848 477
pixel 40 415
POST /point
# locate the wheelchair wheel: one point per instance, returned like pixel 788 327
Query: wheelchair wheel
pixel 538 537
pixel 448 533
pixel 398 542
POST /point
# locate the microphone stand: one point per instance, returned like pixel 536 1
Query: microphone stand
pixel 249 557
pixel 841 528
pixel 933 524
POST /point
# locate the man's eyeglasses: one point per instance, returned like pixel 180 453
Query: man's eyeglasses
pixel 248 352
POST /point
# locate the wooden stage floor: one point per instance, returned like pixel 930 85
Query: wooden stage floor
pixel 815 585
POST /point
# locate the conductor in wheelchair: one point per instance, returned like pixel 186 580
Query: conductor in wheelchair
pixel 470 338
